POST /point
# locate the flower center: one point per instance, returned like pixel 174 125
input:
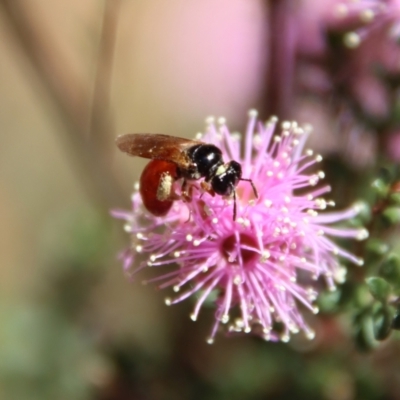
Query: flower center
pixel 243 250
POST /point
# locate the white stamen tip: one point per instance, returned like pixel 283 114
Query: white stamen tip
pixel 342 10
pixel 285 338
pixel 310 335
pixel 265 255
pixel 168 301
pixel 225 318
pixel 363 234
pixel 210 120
pixel 367 15
pixel 352 40
pixel 253 113
pixel 268 203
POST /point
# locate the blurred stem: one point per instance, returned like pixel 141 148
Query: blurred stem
pixel 101 119
pixel 69 98
pixel 281 58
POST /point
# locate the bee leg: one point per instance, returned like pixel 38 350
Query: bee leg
pixel 207 188
pixel 252 185
pixel 186 192
pixel 234 203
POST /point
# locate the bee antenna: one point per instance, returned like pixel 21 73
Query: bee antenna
pixel 252 185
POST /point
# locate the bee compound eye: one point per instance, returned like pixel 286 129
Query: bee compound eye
pixel 223 184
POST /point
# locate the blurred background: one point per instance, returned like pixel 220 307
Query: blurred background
pixel 75 74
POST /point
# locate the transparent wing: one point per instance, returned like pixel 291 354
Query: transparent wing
pixel 157 146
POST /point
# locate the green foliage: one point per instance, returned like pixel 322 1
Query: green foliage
pixel 396 319
pixel 46 352
pixel 380 187
pixel 364 331
pixel 391 215
pixel 364 215
pixel 373 303
pixel 390 270
pixel 376 247
pixel 379 288
pixel 382 318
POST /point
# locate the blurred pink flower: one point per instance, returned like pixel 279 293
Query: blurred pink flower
pixel 393 146
pixel 371 32
pixel 363 18
pixel 258 270
pixel 348 52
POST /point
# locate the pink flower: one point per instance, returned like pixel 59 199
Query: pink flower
pixel 260 268
pixel 366 18
pixel 372 31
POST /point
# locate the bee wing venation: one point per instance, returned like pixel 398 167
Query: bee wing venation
pixel 156 147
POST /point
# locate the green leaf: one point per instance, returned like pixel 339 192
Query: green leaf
pixel 329 301
pixel 364 335
pixel 390 270
pixel 364 213
pixel 379 288
pixel 380 187
pixel 395 198
pixel 392 215
pixel 386 174
pixel 396 320
pixel 382 322
pixel 377 247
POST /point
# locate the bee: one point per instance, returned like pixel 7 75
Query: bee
pixel 174 158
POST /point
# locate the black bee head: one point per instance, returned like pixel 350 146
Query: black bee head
pixel 226 177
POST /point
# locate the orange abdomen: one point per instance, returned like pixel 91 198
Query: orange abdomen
pixel 156 188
